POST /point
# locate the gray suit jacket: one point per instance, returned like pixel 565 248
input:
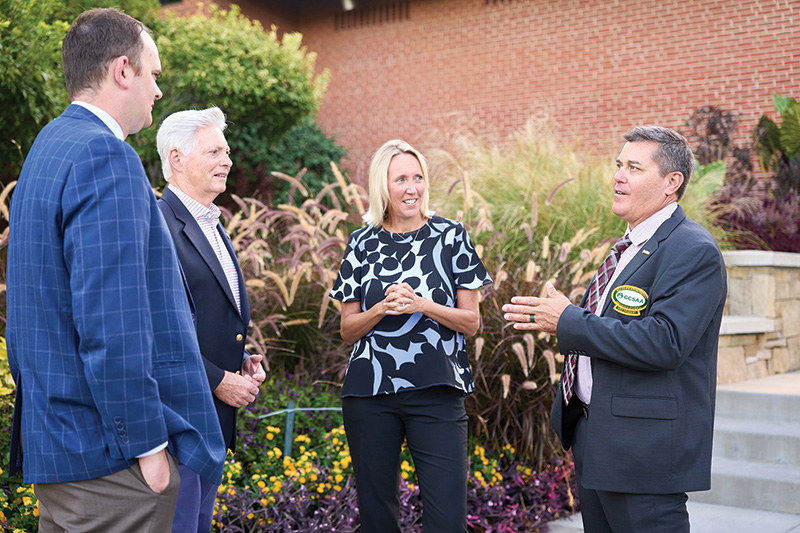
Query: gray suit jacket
pixel 652 407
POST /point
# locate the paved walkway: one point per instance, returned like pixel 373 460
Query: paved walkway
pixel 708 518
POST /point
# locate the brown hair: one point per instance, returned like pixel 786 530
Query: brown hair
pixel 673 153
pixel 95 39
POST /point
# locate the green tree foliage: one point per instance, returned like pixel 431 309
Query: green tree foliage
pixel 32 88
pixel 263 84
pixel 305 146
pixel 31 81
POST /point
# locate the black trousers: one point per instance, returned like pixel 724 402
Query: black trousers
pixel 619 512
pixel 434 423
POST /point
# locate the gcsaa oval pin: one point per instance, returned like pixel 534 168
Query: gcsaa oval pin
pixel 629 300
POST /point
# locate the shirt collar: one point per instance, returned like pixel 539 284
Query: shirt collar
pixel 197 209
pixel 107 119
pixel 647 228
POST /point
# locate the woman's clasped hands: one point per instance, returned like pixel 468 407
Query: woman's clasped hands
pixel 401 300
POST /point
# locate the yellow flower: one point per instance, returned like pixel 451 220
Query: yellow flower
pixel 250 516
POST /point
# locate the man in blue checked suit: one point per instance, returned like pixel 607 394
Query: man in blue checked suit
pixel 636 398
pixel 111 389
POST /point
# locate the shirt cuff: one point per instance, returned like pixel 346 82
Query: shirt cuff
pixel 153 451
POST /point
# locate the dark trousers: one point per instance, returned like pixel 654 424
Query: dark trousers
pixel 194 511
pixel 120 502
pixel 618 512
pixel 434 423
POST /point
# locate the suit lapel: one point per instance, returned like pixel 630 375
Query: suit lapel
pixel 648 250
pixel 245 313
pixel 198 239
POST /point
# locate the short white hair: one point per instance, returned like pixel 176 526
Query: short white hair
pixel 179 130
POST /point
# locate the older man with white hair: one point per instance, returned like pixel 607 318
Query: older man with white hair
pixel 196 162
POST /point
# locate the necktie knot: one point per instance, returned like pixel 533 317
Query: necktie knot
pixel 621 245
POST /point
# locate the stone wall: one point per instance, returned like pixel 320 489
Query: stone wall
pixel 760 332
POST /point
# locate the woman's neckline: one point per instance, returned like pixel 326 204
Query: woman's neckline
pixel 403 233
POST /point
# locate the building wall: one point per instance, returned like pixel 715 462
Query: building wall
pixel 416 68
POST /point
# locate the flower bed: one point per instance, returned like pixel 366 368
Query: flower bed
pixel 315 491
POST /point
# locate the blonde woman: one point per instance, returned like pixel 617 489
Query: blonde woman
pixel 409 285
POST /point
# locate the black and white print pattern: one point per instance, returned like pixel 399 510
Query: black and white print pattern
pixel 406 352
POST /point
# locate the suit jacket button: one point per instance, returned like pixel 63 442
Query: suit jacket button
pixel 239 337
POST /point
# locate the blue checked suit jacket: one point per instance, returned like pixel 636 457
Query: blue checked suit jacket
pixel 101 340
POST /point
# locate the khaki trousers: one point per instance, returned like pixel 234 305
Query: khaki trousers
pixel 118 503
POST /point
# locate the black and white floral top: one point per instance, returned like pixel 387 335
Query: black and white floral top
pixel 405 352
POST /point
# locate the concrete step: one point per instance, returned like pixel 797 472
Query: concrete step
pixel 752 485
pixel 773 398
pixel 757 441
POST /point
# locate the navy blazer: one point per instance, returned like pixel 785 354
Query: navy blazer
pixel 221 329
pixel 100 337
pixel 651 415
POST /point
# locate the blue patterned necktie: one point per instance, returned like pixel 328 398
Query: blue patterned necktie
pixel 596 288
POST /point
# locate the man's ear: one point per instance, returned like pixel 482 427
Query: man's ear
pixel 122 71
pixel 674 182
pixel 175 159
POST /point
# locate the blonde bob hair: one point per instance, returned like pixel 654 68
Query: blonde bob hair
pixel 378 181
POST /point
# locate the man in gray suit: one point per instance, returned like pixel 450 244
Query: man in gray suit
pixel 636 397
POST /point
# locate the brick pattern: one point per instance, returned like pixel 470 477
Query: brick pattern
pixel 596 67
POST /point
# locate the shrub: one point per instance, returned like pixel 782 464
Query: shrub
pixel 32 82
pixel 755 213
pixel 778 147
pixel 305 146
pixel 265 86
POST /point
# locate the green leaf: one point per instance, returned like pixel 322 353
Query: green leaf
pixel 790 130
pixel 782 103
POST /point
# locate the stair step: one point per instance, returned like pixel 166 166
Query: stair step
pixel 771 487
pixel 757 441
pixel 774 398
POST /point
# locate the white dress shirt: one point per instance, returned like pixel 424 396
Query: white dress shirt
pixel 639 236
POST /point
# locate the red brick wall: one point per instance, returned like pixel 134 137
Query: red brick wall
pixel 597 67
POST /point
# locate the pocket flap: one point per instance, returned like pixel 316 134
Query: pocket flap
pixel 645 407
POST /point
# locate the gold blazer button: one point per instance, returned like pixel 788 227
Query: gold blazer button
pixel 239 337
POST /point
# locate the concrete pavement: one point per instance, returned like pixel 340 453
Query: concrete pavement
pixel 709 518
